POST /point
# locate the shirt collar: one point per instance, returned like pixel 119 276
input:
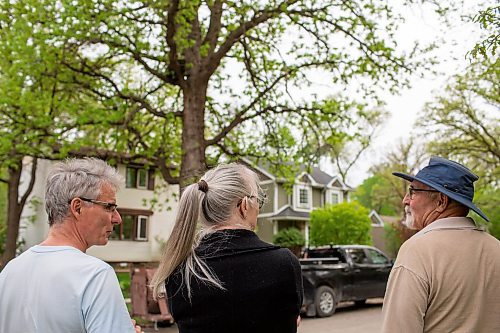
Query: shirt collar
pixel 455 223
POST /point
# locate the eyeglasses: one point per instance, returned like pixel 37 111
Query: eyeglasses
pixel 110 207
pixel 260 200
pixel 412 190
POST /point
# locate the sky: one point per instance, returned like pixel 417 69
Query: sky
pixel 405 108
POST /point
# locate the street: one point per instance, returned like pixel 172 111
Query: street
pixel 347 319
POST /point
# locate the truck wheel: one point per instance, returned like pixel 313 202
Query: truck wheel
pixel 325 301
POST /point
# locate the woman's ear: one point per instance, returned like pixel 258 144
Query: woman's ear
pixel 244 207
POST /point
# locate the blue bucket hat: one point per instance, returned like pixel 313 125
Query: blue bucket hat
pixel 450 178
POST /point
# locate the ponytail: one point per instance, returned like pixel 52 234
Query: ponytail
pixel 211 201
pixel 181 244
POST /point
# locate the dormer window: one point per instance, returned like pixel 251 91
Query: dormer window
pixel 334 196
pixel 303 196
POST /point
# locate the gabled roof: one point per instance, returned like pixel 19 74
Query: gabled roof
pixel 336 181
pixel 317 176
pixel 383 219
pixel 286 212
pixel 320 176
pixel 304 177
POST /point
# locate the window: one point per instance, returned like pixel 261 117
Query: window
pixel 333 253
pixel 335 198
pixel 133 228
pixel 141 178
pixel 377 257
pixel 142 228
pixel 302 196
pixel 358 256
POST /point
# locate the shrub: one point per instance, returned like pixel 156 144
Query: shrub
pixel 344 223
pixel 290 238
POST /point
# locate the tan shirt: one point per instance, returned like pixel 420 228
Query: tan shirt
pixel 446 278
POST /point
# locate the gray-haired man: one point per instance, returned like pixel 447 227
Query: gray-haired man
pixel 55 286
pixel 446 277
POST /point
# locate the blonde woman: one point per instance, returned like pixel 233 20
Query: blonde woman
pixel 218 275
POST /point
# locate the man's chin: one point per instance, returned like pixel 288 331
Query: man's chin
pixel 103 241
pixel 409 222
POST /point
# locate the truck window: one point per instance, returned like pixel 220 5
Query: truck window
pixel 377 257
pixel 326 253
pixel 358 256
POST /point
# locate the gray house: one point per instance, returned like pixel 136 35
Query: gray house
pixel 292 208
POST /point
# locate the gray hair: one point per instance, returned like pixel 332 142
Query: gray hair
pixel 212 204
pixel 74 178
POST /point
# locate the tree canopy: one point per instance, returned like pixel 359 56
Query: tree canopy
pixel 345 223
pixel 462 123
pixel 197 80
pixel 182 84
pixel 489 20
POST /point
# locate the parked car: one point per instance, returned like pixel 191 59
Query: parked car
pixel 334 274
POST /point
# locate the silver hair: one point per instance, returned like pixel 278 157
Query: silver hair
pixel 74 178
pixel 211 204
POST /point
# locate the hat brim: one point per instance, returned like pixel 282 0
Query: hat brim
pixel 455 196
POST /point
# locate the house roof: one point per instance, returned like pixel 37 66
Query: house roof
pixel 320 177
pixel 390 219
pixel 383 219
pixel 288 213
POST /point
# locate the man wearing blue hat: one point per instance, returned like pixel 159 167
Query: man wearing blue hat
pixel 446 278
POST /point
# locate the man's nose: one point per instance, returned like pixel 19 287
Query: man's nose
pixel 406 199
pixel 116 218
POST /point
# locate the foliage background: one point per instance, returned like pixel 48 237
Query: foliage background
pixel 344 223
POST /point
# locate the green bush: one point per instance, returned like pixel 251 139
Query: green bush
pixel 289 237
pixel 345 223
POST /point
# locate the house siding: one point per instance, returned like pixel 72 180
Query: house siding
pixel 269 205
pixel 316 197
pixel 282 196
pixel 265 229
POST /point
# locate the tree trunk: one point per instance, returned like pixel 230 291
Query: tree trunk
pixel 193 132
pixel 15 207
pixel 14 210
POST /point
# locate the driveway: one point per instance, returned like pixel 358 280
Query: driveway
pixel 347 319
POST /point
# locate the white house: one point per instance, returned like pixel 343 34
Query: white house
pixel 146 203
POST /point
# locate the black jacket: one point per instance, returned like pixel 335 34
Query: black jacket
pixel 263 285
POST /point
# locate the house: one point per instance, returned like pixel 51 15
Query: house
pixel 146 204
pixel 378 231
pixel 292 208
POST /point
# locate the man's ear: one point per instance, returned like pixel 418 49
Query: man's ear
pixel 442 202
pixel 75 207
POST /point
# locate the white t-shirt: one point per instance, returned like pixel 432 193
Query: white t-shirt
pixel 50 289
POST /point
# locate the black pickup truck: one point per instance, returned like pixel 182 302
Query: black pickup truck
pixel 342 273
